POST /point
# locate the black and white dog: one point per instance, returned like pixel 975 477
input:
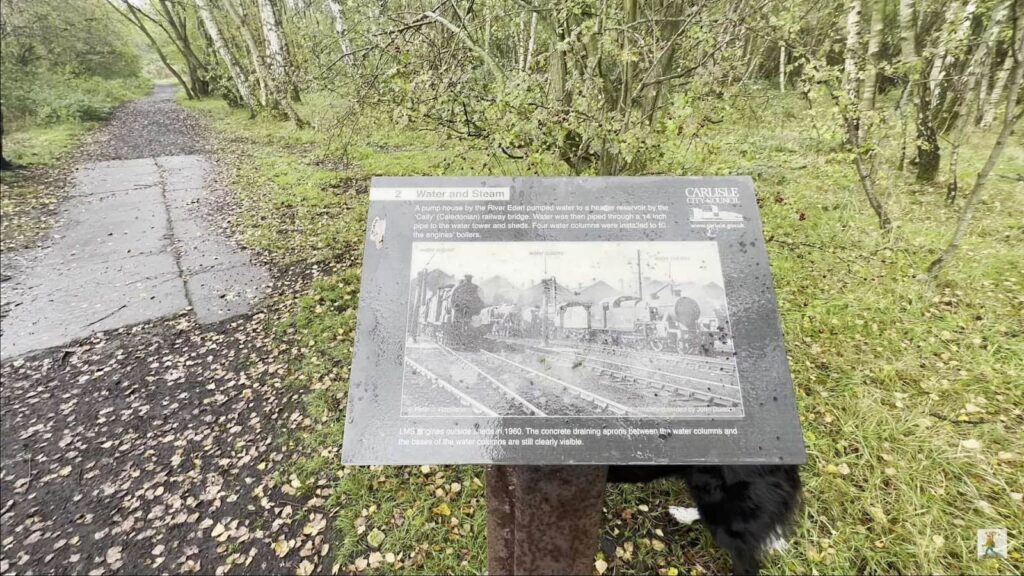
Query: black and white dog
pixel 744 507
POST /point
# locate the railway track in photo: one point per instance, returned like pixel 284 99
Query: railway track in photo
pixel 711 366
pixel 626 375
pixel 440 381
pixel 720 391
pixel 455 379
pixel 718 371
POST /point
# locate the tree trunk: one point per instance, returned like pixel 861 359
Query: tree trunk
pixel 237 14
pixel 852 56
pixel 908 32
pixel 225 54
pixel 948 55
pixel 339 27
pixel 866 174
pixel 782 67
pixel 5 164
pixel 991 105
pixel 929 155
pixel 277 99
pixel 177 32
pixel 663 66
pixel 1009 120
pixel 908 66
pixel 531 43
pixel 556 74
pixel 625 100
pixel 276 51
pixel 867 96
pixel 858 108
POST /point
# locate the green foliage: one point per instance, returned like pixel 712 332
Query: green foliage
pixel 55 100
pixel 64 62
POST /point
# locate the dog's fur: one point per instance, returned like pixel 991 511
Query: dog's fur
pixel 743 507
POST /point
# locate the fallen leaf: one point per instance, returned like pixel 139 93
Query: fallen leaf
pixel 315 526
pixel 305 568
pixel 970 444
pixel 375 538
pixel 281 547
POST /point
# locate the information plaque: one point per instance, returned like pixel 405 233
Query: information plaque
pixel 611 320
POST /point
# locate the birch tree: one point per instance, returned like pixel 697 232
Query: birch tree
pixel 134 16
pixel 341 29
pixel 241 83
pixel 276 49
pixel 173 20
pixel 1010 119
pixel 852 53
pixel 866 158
pixel 950 41
pixel 909 69
pixel 991 104
pixel 236 13
pixel 963 102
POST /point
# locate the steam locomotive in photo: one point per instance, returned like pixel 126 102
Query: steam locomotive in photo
pixel 456 316
pixel 676 323
pixel 451 315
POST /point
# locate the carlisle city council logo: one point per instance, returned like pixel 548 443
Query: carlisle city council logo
pixel 992 543
pixel 713 213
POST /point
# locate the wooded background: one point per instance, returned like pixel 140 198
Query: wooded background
pixel 599 85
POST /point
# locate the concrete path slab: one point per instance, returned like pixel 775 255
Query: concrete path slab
pixel 133 245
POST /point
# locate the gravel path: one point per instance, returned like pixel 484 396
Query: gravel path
pixel 152 126
pixel 156 447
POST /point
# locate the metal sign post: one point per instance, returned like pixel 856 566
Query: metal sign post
pixel 543 519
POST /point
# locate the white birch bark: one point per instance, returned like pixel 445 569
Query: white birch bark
pixel 520 42
pixel 850 69
pixel 277 62
pixel 867 97
pixel 241 84
pixel 978 65
pixel 991 105
pixel 964 103
pixel 782 67
pixel 908 66
pixel 341 29
pixel 262 75
pixel 908 34
pixel 948 56
pixel 531 44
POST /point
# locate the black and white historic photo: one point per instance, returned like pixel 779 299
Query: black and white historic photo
pixel 569 329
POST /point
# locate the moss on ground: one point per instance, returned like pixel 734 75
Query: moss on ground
pixel 909 392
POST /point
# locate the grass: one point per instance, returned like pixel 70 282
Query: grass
pixel 28 194
pixel 909 392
